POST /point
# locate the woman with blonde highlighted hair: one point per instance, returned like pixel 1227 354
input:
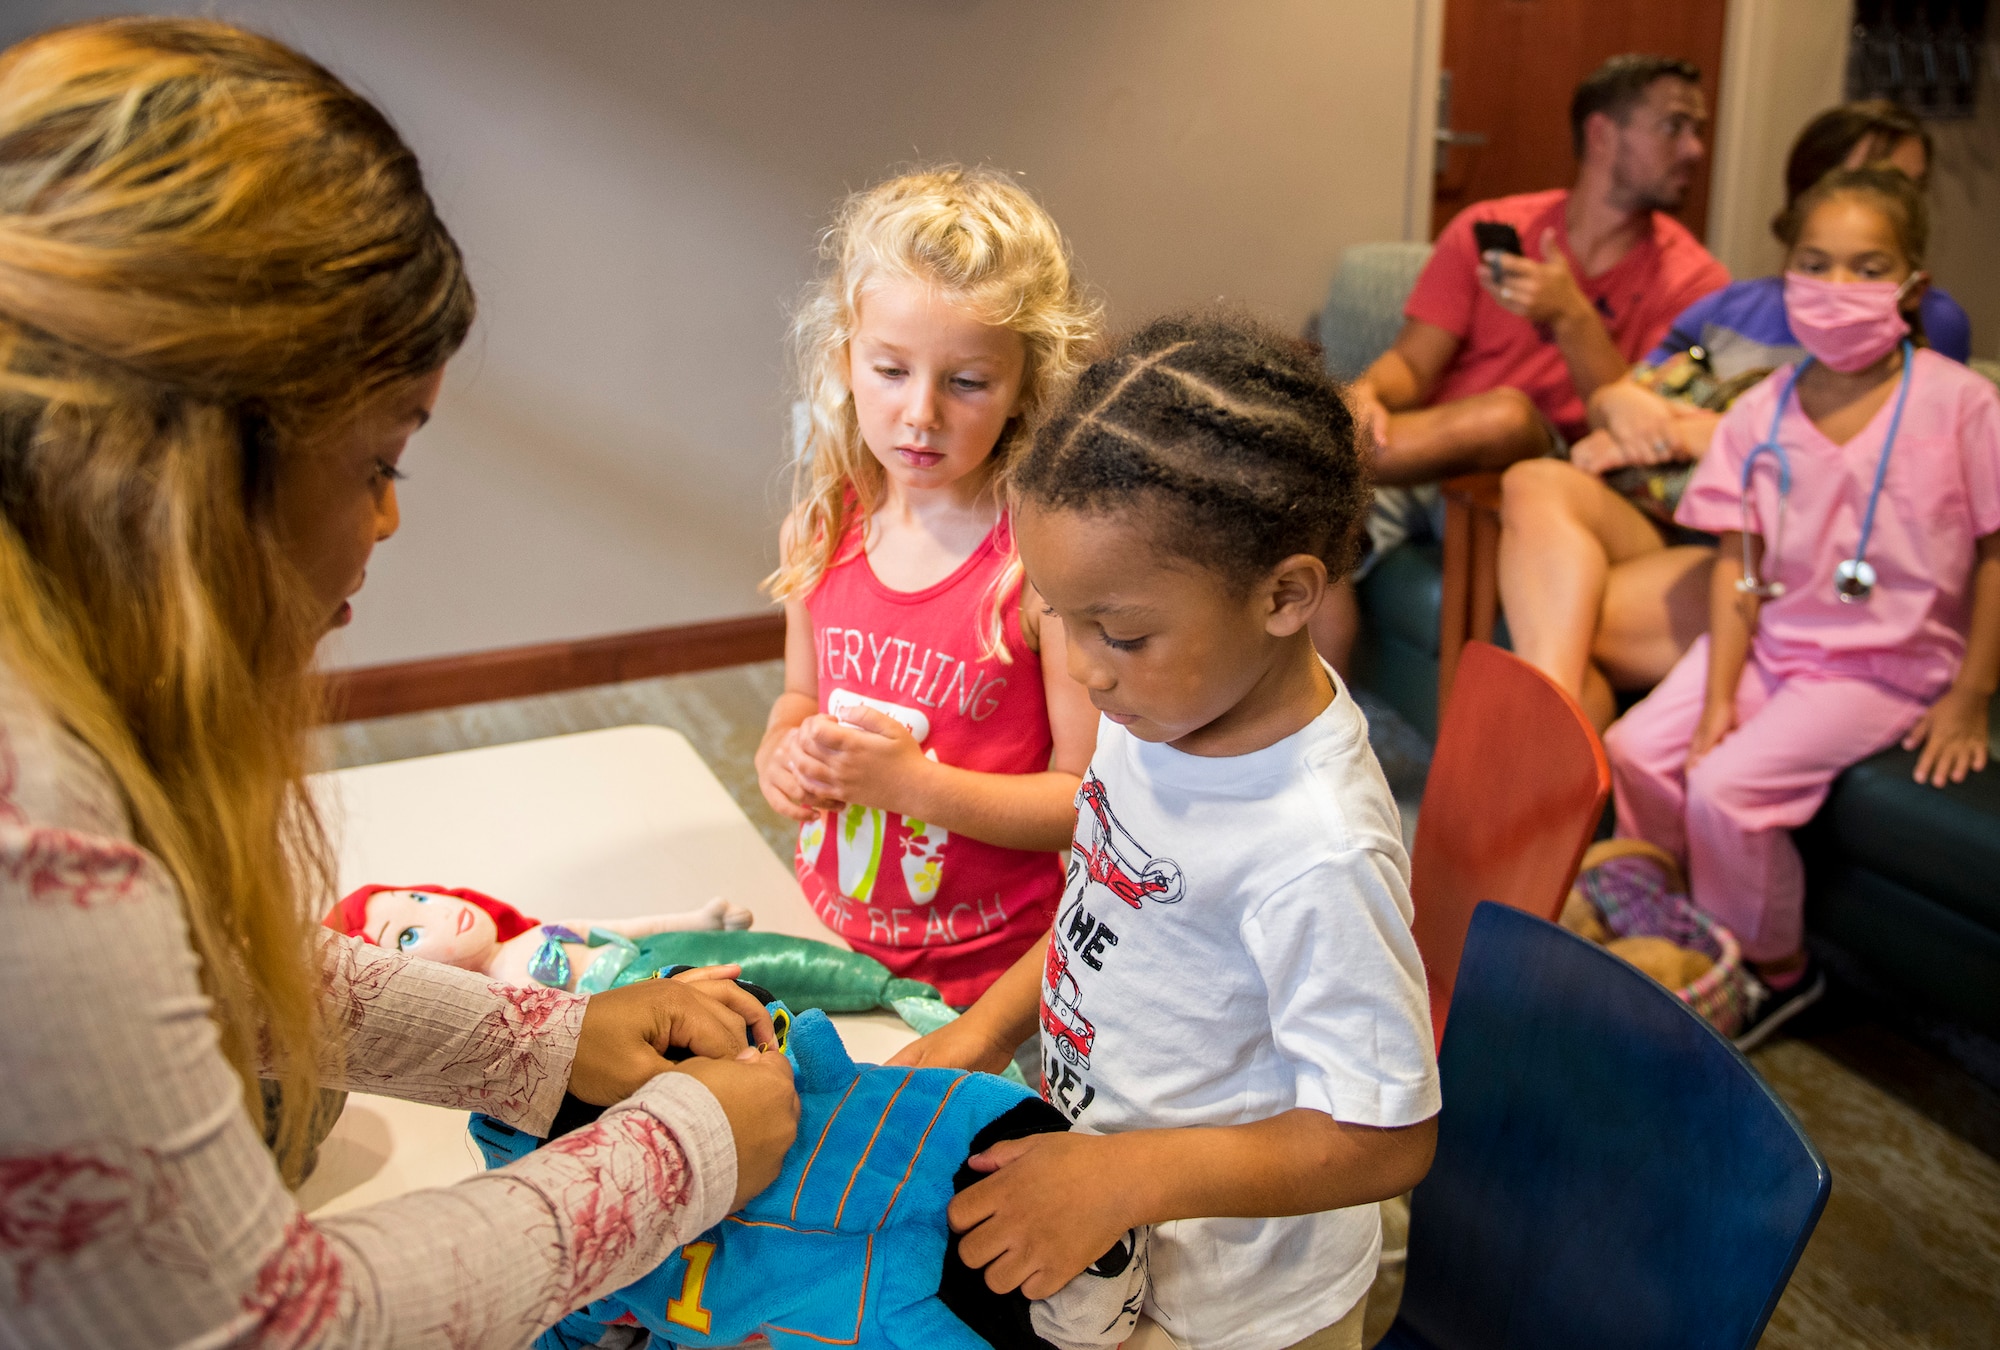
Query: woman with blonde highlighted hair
pixel 226 302
pixel 929 740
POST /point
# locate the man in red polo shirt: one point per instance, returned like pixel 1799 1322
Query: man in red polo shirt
pixel 1499 353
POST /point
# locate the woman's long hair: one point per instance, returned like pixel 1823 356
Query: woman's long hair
pixel 1825 143
pixel 211 252
pixel 982 242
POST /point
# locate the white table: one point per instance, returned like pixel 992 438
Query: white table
pixel 604 824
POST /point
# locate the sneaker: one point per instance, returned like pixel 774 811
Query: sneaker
pixel 1779 1006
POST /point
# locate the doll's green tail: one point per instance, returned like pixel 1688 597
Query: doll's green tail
pixel 800 972
pixel 924 1013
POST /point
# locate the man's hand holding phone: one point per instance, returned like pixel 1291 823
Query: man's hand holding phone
pixel 1543 292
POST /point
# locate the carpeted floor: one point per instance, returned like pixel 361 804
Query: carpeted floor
pixel 1907 1256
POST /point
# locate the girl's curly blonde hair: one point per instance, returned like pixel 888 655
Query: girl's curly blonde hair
pixel 982 242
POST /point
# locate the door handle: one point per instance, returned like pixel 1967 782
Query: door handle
pixel 1446 136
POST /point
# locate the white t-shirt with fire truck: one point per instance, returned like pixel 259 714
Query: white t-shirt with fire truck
pixel 1234 941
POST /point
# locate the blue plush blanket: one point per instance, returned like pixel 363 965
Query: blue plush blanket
pixel 848 1245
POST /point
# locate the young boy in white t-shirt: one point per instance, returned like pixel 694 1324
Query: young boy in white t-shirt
pixel 1232 1008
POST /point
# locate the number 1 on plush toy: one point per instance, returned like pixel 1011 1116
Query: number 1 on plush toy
pixel 685 1308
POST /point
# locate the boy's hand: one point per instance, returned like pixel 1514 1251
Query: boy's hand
pixel 870 758
pixel 955 1045
pixel 778 779
pixel 1052 1205
pixel 1953 733
pixel 1717 721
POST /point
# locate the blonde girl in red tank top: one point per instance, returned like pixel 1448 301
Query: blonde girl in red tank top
pixel 929 741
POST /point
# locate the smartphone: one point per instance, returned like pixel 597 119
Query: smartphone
pixel 1492 236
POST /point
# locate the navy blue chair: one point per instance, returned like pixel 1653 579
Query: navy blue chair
pixel 1610 1171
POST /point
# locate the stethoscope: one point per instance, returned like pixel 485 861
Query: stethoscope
pixel 1854 578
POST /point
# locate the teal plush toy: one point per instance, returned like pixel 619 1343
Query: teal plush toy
pixel 802 972
pixel 850 1245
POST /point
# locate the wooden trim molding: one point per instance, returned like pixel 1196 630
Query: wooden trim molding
pixel 518 672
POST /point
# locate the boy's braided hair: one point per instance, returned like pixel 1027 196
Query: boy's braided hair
pixel 1231 433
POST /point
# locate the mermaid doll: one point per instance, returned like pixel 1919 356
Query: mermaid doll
pixel 477 932
pixel 473 931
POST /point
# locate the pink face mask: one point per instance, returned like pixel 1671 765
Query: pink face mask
pixel 1846 325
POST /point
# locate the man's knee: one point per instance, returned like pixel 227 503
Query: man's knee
pixel 1509 426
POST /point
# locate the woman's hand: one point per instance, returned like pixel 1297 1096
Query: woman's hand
pixel 1598 453
pixel 757 1095
pixel 626 1031
pixel 1683 440
pixel 955 1045
pixel 778 779
pixel 719 983
pixel 869 758
pixel 1953 734
pixel 1717 721
pixel 1639 421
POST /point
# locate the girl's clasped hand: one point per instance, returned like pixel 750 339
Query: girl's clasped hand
pixel 866 756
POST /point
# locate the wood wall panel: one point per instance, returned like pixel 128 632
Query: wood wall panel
pixel 518 672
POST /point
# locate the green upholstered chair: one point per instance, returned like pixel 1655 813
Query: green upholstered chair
pixel 1397 656
pixel 1364 305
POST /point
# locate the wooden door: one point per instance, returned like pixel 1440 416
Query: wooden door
pixel 1510 67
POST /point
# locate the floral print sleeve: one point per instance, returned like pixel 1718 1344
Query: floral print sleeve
pixel 138 1205
pixel 431 1033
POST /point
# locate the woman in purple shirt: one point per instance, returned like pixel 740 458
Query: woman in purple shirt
pixel 1601 591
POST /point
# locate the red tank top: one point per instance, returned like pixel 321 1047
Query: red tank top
pixel 929 904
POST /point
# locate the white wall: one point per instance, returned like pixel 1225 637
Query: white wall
pixel 1783 62
pixel 638 186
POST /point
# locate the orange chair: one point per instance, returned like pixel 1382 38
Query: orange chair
pixel 1517 785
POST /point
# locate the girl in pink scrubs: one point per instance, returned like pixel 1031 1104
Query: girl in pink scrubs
pixel 1856 601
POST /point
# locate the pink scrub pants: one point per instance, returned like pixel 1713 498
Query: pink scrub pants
pixel 1729 819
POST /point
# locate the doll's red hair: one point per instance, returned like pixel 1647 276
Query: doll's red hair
pixel 350 916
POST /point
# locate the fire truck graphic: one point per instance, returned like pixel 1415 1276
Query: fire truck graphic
pixel 1112 858
pixel 1068 1029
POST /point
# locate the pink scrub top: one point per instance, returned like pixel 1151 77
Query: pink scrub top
pixel 1942 493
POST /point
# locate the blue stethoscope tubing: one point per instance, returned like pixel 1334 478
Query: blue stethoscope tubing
pixel 1854 578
